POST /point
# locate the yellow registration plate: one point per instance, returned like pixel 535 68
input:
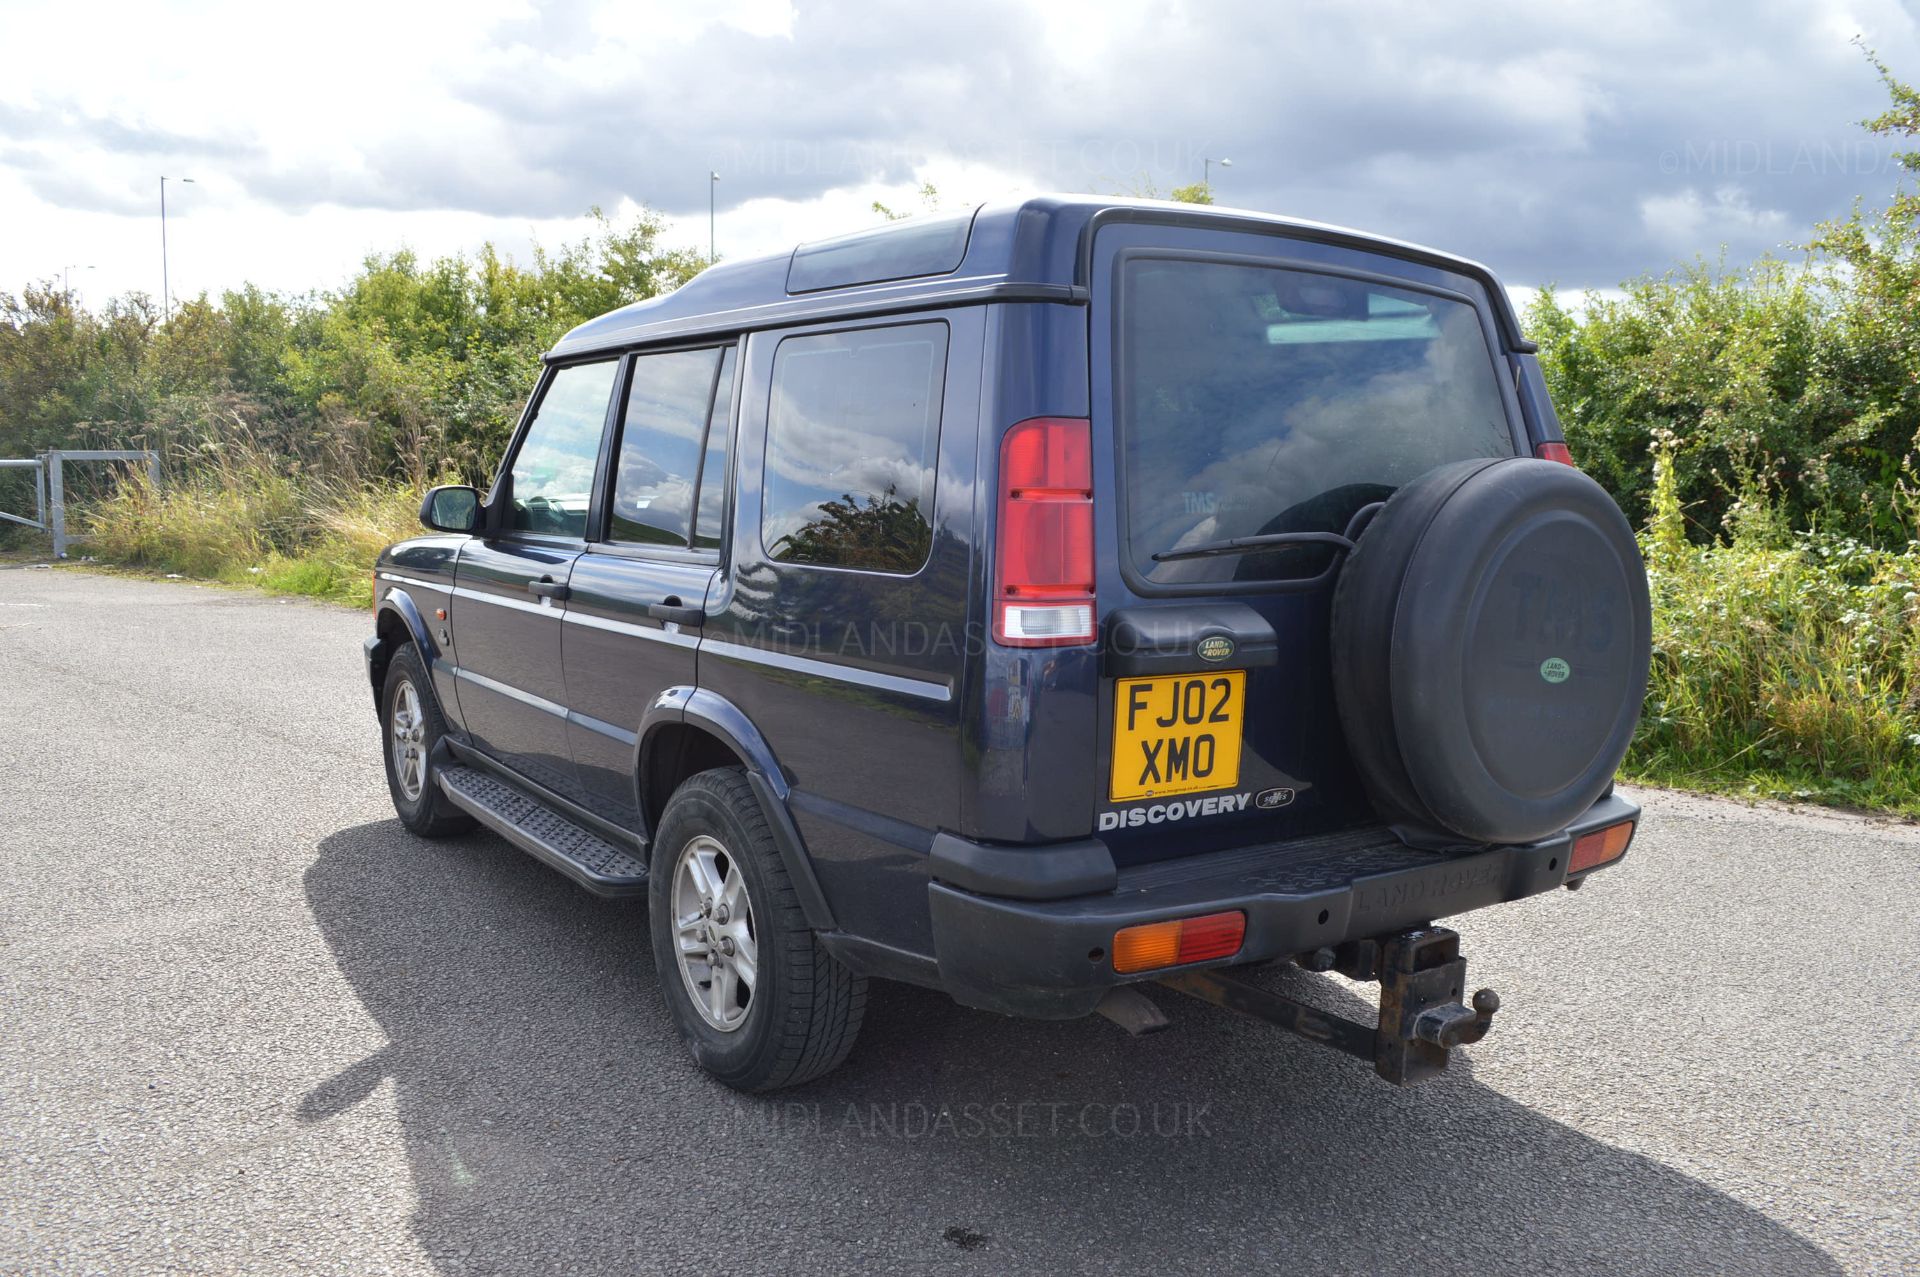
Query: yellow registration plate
pixel 1178 734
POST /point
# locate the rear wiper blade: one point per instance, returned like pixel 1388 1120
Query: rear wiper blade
pixel 1249 545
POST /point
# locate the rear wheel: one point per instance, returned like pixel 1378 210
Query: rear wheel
pixel 758 1000
pixel 410 727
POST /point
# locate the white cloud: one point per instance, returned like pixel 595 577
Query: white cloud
pixel 1572 300
pixel 1686 221
pixel 1537 138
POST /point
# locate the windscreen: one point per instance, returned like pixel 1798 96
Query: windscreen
pixel 1259 399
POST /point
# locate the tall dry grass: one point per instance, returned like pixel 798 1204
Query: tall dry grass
pixel 247 516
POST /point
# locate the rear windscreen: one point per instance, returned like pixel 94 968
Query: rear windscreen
pixel 1257 399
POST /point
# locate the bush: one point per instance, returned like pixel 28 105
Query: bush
pixel 1787 669
pixel 298 432
pixel 1787 378
pixel 414 368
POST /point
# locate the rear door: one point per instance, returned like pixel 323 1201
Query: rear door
pixel 664 524
pixel 1244 385
pixel 840 626
pixel 511 582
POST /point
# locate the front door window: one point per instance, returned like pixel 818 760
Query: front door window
pixel 553 470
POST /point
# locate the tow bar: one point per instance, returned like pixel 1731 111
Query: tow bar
pixel 1421 974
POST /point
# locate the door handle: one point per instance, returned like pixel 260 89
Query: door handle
pixel 691 618
pixel 548 588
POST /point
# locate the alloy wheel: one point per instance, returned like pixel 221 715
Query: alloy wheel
pixel 714 933
pixel 407 733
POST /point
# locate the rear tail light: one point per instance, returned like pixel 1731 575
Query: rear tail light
pixel 1043 563
pixel 1178 941
pixel 1599 847
pixel 1553 450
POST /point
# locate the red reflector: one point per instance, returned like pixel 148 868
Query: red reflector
pixel 1600 846
pixel 1218 935
pixel 1178 941
pixel 1043 558
pixel 1553 451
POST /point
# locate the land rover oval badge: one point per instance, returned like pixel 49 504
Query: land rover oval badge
pixel 1555 670
pixel 1216 647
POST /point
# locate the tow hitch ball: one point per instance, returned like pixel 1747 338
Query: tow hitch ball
pixel 1421 975
pixel 1455 1025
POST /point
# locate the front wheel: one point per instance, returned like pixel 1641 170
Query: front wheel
pixel 757 999
pixel 410 727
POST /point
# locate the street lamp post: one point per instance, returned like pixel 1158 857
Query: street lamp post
pixel 66 281
pixel 166 282
pixel 1206 169
pixel 713 184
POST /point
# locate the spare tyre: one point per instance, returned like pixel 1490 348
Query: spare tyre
pixel 1491 633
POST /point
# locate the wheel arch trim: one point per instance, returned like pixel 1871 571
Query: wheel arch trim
pixel 721 719
pixel 398 603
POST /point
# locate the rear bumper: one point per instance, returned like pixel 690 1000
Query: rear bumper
pixel 1047 958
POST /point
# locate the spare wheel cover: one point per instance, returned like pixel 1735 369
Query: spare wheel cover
pixel 1520 646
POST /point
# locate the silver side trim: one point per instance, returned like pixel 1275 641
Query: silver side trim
pixel 925 689
pixel 511 692
pixel 603 728
pixel 675 636
pixel 922 688
pixel 501 600
pixel 414 580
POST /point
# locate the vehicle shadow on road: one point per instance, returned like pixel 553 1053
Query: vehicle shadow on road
pixel 555 1123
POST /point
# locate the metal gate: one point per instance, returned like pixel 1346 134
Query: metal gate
pixel 49 485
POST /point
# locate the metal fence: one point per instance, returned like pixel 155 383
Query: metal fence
pixel 50 487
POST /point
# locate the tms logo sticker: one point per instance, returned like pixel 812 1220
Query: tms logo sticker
pixel 1268 799
pixel 1165 813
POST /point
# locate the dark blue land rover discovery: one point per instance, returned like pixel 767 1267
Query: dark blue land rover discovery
pixel 1028 604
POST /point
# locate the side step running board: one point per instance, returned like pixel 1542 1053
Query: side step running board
pixel 579 853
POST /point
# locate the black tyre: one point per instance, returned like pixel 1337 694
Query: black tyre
pixel 760 1003
pixel 410 726
pixel 1491 634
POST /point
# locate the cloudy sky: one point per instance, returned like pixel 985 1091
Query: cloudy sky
pixel 1561 141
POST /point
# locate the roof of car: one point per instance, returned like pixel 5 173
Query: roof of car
pixel 1033 249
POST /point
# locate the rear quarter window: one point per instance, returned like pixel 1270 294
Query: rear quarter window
pixel 853 432
pixel 1256 399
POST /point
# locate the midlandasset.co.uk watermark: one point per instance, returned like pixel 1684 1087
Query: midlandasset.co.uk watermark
pixel 1006 1120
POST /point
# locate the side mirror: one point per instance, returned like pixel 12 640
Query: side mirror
pixel 451 508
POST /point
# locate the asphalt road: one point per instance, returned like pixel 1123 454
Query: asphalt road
pixel 249 1025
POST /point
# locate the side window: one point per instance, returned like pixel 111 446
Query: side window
pixel 660 446
pixel 711 524
pixel 852 435
pixel 553 470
